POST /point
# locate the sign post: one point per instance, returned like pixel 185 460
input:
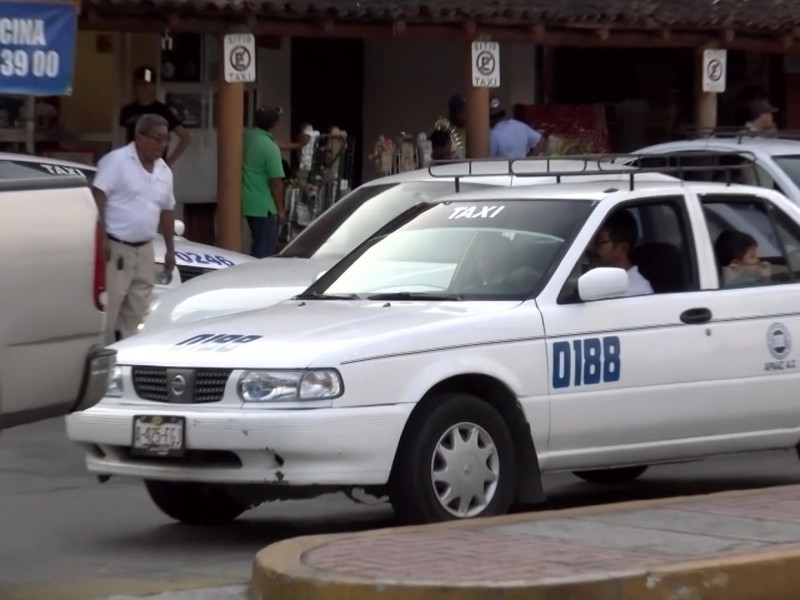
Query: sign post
pixel 37 48
pixel 239 54
pixel 714 70
pixel 485 64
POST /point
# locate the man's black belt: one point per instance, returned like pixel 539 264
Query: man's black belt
pixel 132 244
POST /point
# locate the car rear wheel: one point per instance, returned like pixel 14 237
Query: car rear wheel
pixel 194 503
pixel 612 476
pixel 456 462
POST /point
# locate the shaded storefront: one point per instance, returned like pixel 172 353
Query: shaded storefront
pixel 625 37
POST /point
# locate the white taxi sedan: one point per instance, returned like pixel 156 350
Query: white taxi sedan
pixel 452 361
pixel 353 219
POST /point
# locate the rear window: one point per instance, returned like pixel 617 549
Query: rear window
pixel 23 169
pixel 12 170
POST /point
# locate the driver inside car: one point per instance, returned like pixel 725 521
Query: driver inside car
pixel 612 247
pixel 491 266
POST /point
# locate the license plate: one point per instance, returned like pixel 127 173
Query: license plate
pixel 155 435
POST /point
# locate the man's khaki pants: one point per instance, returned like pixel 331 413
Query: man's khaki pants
pixel 130 277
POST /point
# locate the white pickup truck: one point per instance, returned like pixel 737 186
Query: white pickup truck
pixel 52 359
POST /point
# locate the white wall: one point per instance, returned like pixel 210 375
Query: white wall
pixel 407 85
pixel 406 88
pixel 195 172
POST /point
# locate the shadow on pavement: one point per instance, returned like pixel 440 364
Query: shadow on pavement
pixel 256 531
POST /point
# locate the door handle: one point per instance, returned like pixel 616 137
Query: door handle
pixel 693 316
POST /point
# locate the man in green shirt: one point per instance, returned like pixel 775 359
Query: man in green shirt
pixel 262 182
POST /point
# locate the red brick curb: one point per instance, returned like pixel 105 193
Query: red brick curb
pixel 282 572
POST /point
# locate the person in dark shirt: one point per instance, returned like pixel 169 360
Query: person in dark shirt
pixel 441 145
pixel 144 89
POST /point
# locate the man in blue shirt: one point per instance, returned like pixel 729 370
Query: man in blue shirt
pixel 510 138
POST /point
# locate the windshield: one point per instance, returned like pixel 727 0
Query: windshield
pixel 460 250
pixel 790 164
pixel 357 216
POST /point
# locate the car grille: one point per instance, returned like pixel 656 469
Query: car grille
pixel 188 273
pixel 150 383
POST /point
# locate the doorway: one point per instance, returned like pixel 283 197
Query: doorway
pixel 328 90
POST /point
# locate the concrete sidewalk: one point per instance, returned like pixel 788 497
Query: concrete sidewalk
pixel 729 546
pixel 236 592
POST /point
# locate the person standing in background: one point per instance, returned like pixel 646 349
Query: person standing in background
pixel 455 124
pixel 133 188
pixel 761 117
pixel 262 182
pixel 441 145
pixel 144 90
pixel 509 138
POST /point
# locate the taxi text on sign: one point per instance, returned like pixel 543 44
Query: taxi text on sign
pixel 37 48
pixel 239 51
pixel 714 70
pixel 486 64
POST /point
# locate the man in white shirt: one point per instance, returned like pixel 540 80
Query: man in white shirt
pixel 134 194
pixel 612 247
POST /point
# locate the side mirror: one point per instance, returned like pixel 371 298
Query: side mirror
pixel 317 276
pixel 602 283
pixel 180 228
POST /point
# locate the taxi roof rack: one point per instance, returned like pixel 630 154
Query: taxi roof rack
pixel 739 133
pixel 593 164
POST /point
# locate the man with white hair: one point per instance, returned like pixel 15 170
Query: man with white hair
pixel 133 189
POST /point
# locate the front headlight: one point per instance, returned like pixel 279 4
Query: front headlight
pixel 289 386
pixel 115 383
pixel 162 277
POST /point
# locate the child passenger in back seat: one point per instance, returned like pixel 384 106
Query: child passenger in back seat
pixel 737 256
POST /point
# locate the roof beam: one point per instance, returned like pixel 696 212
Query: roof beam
pixel 727 35
pixel 537 33
pixel 173 19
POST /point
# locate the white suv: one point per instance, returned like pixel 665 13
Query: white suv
pixel 776 158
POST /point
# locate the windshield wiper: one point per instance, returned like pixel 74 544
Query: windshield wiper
pixel 318 296
pixel 415 296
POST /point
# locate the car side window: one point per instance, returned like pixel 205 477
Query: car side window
pixel 671 165
pixel 719 168
pixel 663 254
pixel 755 243
pixel 758 176
pixel 766 180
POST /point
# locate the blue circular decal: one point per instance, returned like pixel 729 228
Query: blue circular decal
pixel 779 341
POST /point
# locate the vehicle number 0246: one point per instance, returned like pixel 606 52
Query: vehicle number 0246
pixel 205 259
pixel 587 361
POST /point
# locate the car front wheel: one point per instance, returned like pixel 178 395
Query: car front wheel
pixel 194 503
pixel 456 462
pixel 611 476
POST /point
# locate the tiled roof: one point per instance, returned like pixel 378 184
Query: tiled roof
pixel 748 15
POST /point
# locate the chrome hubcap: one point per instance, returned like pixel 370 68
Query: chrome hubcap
pixel 465 469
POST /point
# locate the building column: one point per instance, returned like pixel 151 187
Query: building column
pixel 477 113
pixel 705 104
pixel 230 130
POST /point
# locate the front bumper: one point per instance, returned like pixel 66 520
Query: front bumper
pixel 313 447
pixel 97 372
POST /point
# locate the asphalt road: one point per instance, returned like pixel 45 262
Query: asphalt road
pixel 64 536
